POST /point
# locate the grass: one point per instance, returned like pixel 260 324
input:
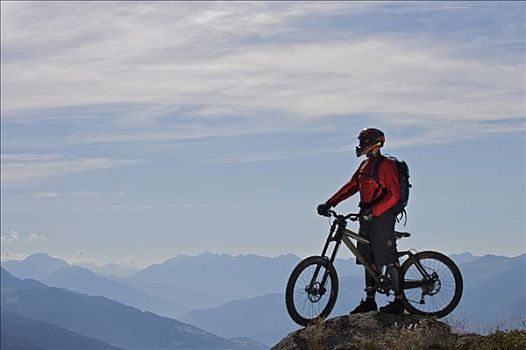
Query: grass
pixel 511 340
pixel 415 340
pixel 425 334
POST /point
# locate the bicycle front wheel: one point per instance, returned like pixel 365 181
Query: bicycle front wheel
pixel 432 284
pixel 311 290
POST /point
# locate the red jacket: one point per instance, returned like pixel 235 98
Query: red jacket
pixel 386 195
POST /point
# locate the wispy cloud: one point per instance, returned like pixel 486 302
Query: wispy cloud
pixel 33 237
pixel 80 254
pixel 21 168
pixel 16 237
pixel 16 245
pixel 278 62
pixel 52 195
pixel 13 236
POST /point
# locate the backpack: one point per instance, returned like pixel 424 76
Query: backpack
pixel 403 173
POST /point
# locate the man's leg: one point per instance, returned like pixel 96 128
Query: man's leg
pixel 369 283
pixel 396 280
pixel 369 304
pixel 383 247
pixel 397 305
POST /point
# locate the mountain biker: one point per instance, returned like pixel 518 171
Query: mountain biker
pixel 377 216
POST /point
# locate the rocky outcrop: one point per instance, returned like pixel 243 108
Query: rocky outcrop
pixel 378 331
pixel 373 330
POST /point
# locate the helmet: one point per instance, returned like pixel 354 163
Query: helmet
pixel 369 139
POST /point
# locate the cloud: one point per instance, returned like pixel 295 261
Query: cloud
pixel 17 245
pixel 52 195
pixel 23 168
pixel 182 71
pixel 47 194
pixel 7 254
pixel 14 235
pixel 128 261
pixel 33 237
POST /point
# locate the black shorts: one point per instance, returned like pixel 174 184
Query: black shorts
pixel 380 233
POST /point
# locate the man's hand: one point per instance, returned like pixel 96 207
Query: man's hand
pixel 366 214
pixel 323 209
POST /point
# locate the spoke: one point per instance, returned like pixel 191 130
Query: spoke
pixel 448 293
pixel 448 284
pixel 434 304
pixel 411 292
pixel 304 302
pixel 444 300
pixel 318 306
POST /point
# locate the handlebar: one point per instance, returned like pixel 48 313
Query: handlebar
pixel 355 217
pixel 351 216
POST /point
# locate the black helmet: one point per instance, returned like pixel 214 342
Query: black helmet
pixel 368 139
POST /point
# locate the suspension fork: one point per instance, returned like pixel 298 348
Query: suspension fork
pixel 332 238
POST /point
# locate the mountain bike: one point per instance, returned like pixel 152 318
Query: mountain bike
pixel 432 282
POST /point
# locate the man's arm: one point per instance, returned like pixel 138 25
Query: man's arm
pixel 346 191
pixel 390 181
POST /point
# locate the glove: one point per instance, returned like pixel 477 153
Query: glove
pixel 366 214
pixel 323 209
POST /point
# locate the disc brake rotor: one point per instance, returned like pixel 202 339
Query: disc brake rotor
pixel 314 292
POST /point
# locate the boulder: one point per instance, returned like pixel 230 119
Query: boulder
pixel 372 330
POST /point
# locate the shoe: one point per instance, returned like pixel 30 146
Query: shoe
pixel 394 307
pixel 365 306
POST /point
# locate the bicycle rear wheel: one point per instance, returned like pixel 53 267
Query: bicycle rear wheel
pixel 311 291
pixel 432 284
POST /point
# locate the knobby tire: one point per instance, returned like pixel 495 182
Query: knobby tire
pixel 293 284
pixel 453 269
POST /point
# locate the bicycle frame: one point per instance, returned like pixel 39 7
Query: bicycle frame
pixel 340 233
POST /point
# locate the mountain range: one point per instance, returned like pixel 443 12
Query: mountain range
pixel 242 296
pixel 18 332
pixel 210 280
pixel 109 269
pixel 479 310
pixel 58 273
pixel 44 315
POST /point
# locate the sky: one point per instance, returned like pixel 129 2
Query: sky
pixel 132 132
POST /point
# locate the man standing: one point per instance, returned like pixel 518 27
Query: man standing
pixel 377 180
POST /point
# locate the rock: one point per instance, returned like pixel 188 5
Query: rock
pixel 374 331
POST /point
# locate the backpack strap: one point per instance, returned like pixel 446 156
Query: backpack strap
pixel 374 172
pixel 374 175
pixel 402 214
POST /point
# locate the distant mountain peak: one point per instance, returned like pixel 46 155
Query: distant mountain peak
pixel 466 254
pixel 40 258
pixel 463 257
pixel 113 269
pixel 39 255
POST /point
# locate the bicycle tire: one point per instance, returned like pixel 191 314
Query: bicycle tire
pixel 425 259
pixel 295 287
